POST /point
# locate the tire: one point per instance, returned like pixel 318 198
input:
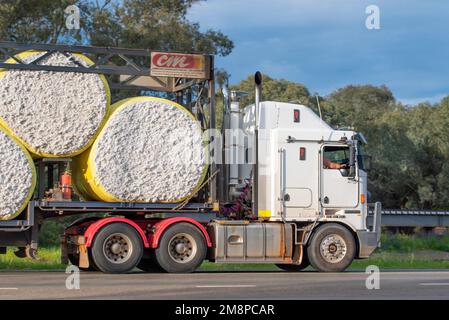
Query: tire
pixel 295 267
pixel 332 248
pixel 117 248
pixel 192 244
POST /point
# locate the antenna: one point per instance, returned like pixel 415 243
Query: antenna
pixel 321 115
pixel 319 107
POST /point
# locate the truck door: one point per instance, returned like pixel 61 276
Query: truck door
pixel 338 189
pixel 300 180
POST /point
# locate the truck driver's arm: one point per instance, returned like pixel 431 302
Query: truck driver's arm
pixel 331 165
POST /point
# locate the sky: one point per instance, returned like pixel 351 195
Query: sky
pixel 326 45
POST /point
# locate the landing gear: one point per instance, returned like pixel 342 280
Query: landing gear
pixel 182 249
pixel 332 248
pixel 27 252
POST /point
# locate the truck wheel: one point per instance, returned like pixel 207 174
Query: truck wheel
pixel 331 248
pixel 182 249
pixel 295 267
pixel 117 248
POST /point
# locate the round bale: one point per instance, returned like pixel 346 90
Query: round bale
pixel 150 150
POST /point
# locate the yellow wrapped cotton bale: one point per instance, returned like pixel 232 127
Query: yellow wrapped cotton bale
pixel 53 114
pixel 150 150
pixel 17 177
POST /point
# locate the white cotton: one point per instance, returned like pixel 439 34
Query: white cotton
pixel 150 151
pixel 16 177
pixel 54 113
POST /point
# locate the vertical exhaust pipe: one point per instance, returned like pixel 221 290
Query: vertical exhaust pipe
pixel 255 191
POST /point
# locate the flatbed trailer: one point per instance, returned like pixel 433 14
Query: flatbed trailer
pixel 281 224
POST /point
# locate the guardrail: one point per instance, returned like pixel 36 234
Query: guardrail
pixel 413 218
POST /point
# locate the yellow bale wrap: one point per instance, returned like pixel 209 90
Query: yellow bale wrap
pixel 150 150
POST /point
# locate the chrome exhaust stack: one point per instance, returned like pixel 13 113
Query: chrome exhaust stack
pixel 234 143
pixel 255 190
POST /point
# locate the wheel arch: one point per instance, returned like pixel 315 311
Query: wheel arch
pixel 95 227
pixel 161 226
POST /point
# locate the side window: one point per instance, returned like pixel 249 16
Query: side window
pixel 335 157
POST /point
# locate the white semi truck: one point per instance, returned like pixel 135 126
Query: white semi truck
pixel 292 191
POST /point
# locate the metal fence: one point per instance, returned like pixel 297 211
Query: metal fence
pixel 414 218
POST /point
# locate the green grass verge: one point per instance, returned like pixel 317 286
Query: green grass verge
pixel 397 252
pixel 410 243
pixel 49 259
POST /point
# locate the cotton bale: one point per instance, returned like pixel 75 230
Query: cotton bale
pixel 17 176
pixel 53 114
pixel 150 150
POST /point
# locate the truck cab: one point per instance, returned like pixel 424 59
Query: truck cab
pixel 306 168
pixel 311 177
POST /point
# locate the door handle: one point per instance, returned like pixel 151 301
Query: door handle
pixel 287 197
pixel 326 200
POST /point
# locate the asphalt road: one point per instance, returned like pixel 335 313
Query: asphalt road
pixel 226 285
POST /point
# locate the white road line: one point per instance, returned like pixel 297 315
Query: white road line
pixel 229 286
pixel 9 288
pixel 435 284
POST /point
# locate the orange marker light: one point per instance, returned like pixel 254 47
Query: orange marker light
pixel 362 198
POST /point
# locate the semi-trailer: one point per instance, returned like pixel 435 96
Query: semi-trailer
pixel 283 187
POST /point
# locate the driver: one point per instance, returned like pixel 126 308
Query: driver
pixel 333 165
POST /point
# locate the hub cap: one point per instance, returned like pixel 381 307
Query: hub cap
pixel 117 248
pixel 333 248
pixel 182 248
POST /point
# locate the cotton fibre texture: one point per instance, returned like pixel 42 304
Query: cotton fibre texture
pixel 17 177
pixel 150 150
pixel 54 114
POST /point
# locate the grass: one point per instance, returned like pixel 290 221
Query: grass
pixel 397 252
pixel 49 259
pixel 410 243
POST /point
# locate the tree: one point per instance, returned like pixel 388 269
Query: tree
pixel 33 21
pixel 154 24
pixel 274 89
pixel 358 106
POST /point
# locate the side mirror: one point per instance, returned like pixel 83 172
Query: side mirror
pixel 351 162
pixel 344 172
pixel 367 162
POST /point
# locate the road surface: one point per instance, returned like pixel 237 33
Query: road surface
pixel 225 285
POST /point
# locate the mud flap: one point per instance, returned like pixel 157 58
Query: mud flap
pixel 84 257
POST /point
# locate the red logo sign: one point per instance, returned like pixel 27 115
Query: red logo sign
pixel 164 60
pixel 178 65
